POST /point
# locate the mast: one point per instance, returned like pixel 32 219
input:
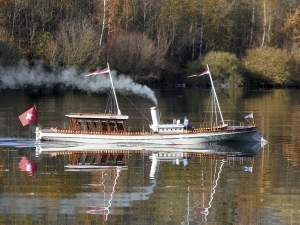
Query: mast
pixel 113 88
pixel 215 95
pixel 205 211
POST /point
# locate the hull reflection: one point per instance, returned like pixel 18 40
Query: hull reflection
pixel 219 148
pixel 111 185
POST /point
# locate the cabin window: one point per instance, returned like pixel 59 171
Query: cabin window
pixel 104 125
pixel 112 125
pixel 96 124
pixel 88 124
pixel 79 125
pixel 120 125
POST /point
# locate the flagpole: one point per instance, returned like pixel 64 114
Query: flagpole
pixel 37 118
pixel 215 94
pixel 252 118
pixel 112 84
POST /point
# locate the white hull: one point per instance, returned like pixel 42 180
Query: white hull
pixel 151 141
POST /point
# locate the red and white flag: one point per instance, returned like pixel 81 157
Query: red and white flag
pixel 106 70
pixel 201 74
pixel 28 117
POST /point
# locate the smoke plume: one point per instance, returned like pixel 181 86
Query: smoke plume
pixel 22 75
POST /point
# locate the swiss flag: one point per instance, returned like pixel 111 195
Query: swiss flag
pixel 28 117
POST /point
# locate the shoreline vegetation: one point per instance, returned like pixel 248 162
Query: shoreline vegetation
pixel 247 44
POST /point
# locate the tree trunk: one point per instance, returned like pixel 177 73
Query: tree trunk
pixel 103 24
pixel 252 22
pixel 264 25
pixel 193 43
pixel 201 34
pixel 269 29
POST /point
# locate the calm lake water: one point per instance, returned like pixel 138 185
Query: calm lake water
pixel 152 187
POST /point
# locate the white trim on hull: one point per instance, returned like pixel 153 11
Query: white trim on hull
pixel 157 139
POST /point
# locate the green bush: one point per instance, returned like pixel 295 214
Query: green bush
pixel 269 65
pixel 226 69
pixel 295 53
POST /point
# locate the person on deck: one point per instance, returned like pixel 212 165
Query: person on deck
pixel 186 124
pixel 185 161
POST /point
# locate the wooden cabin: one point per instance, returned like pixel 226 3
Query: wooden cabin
pixel 97 122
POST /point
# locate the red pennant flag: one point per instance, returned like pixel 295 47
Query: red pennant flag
pixel 201 74
pixel 106 70
pixel 28 117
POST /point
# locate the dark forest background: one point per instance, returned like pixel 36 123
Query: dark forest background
pixel 245 42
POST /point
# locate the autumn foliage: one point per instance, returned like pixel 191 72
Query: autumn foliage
pixel 150 38
pixel 134 53
pixel 270 66
pixel 292 24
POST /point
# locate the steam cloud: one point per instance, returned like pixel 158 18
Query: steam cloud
pixel 22 75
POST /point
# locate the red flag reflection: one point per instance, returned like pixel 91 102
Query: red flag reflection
pixel 27 165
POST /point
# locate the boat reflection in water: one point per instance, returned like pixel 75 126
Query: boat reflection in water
pixel 26 165
pixel 219 148
pixel 216 156
pixel 108 166
pixel 228 151
pixel 96 160
pixel 105 168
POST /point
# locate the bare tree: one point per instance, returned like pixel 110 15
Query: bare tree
pixel 74 44
pixel 51 52
pixel 133 52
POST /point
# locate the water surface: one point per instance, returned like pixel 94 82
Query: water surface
pixel 153 187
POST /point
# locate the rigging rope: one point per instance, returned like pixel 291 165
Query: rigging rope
pixel 136 108
pixel 232 104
